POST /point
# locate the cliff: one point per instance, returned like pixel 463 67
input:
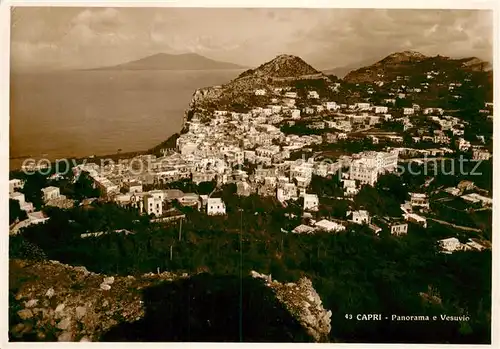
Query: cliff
pixel 50 301
pixel 304 303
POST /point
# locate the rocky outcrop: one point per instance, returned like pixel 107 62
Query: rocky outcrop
pixel 304 303
pixel 282 66
pixel 51 301
pixel 240 92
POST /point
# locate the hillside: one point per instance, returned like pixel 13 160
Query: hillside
pixel 411 63
pixel 164 61
pixel 281 71
pixel 411 77
pixel 342 71
pixel 283 66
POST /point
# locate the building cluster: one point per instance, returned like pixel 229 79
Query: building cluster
pixel 250 150
pixel 33 217
pixel 450 245
pixel 157 203
pixel 468 192
pixel 366 167
pixel 14 186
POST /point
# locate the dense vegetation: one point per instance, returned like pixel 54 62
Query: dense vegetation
pixel 354 272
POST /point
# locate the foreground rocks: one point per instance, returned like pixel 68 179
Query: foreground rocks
pixel 304 303
pixel 51 301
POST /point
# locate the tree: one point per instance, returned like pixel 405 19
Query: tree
pixel 205 188
pixel 15 211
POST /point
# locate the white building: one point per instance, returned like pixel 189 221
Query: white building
pixel 412 217
pixel 291 94
pixel 381 110
pixel 25 206
pixel 463 145
pixel 18 197
pixel 332 106
pixel 153 204
pixel 398 228
pixel 450 245
pixel 295 114
pixel 37 217
pixel 476 198
pixel 361 171
pixel 50 193
pixel 319 108
pixel 311 202
pixel 350 188
pixel 303 229
pixel 105 185
pixel 312 94
pixel 428 111
pixel 480 154
pixel 15 184
pixel 287 191
pixel 215 206
pixel 419 200
pixel 360 217
pixel 363 106
pixel 133 187
pixel 408 111
pixel 309 110
pixel 267 151
pixel 329 226
pixel 260 92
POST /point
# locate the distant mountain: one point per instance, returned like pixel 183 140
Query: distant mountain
pixel 164 61
pixel 411 63
pixel 342 71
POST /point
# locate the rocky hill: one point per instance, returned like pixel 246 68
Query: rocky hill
pixel 50 301
pixel 414 64
pixel 283 66
pixel 283 70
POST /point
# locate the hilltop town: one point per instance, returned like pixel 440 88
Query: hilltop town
pixel 296 152
pixel 290 136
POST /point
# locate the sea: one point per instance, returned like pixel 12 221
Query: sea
pixel 65 114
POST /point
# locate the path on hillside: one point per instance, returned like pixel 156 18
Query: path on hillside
pixel 455 226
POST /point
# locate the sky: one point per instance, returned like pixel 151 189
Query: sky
pixel 76 37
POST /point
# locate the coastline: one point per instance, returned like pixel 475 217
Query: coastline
pixel 130 154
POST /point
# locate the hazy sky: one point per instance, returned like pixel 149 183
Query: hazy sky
pixel 325 38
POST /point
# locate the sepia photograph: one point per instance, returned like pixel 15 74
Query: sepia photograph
pixel 250 174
